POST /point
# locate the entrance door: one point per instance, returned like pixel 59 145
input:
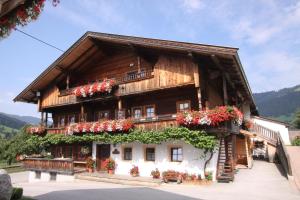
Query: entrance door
pixel 103 152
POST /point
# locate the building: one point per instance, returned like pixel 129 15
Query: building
pixel 105 77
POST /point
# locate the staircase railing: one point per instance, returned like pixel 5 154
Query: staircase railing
pixel 274 138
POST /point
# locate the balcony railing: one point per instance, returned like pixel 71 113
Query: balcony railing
pixel 65 166
pixel 119 80
pixel 160 122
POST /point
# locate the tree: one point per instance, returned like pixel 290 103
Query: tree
pixel 296 120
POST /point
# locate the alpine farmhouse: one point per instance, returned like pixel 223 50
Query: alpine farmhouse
pixel 107 88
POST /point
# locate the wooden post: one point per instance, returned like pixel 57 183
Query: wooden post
pixel 68 82
pixel 225 95
pixel 139 63
pixel 197 85
pixel 233 142
pixel 82 113
pixel 46 120
pixel 119 104
pixel 42 118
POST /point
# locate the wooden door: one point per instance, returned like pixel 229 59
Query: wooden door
pixel 103 153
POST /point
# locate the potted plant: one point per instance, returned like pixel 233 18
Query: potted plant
pixel 90 164
pixel 110 165
pixel 134 171
pixel 155 174
pixel 208 175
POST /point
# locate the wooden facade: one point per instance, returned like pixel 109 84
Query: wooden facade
pixel 155 79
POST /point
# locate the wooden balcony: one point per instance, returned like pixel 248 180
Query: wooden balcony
pixel 56 97
pixel 160 122
pixel 65 166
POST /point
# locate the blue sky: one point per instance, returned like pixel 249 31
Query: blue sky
pixel 266 31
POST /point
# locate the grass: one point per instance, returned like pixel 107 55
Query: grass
pixel 13 168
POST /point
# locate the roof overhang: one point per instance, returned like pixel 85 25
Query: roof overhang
pixel 87 45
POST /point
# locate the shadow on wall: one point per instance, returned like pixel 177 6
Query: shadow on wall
pixel 113 194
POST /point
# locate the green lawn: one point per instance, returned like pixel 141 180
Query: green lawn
pixel 15 167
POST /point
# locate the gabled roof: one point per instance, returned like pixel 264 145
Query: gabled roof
pixel 88 44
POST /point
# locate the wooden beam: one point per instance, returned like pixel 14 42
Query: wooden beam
pixel 81 113
pixel 225 94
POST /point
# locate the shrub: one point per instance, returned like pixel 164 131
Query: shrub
pixel 296 141
pixel 134 171
pixel 90 163
pixel 17 194
pixel 110 164
pixel 155 173
pixel 209 176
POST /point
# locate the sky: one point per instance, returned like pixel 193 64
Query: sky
pixel 265 31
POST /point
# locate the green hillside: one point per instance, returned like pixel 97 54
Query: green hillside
pixel 7 132
pixel 280 104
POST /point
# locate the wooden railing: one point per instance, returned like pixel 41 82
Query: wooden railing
pixel 156 123
pixel 160 122
pixel 274 138
pixel 267 134
pixel 49 165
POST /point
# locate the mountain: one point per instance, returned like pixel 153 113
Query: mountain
pixel 281 104
pixel 27 119
pixel 11 124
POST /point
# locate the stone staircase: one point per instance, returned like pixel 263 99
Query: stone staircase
pixel 225 171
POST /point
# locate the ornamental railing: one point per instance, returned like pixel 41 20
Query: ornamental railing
pixel 121 79
pixel 65 166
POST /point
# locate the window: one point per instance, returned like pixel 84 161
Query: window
pixel 61 121
pixel 183 106
pixel 127 153
pixel 38 174
pixel 71 119
pixel 53 176
pixel 176 154
pixel 150 154
pixel 150 111
pixel 120 114
pixel 137 112
pixel 102 115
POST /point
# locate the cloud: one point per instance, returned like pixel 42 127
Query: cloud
pixel 192 5
pixel 273 70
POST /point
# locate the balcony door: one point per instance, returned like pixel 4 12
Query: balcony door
pixel 103 153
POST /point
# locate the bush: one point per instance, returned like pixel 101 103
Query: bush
pixel 296 142
pixel 17 194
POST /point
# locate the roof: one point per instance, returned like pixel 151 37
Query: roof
pixel 6 6
pixel 88 44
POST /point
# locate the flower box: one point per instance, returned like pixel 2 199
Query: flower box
pixel 89 90
pixel 210 118
pixel 109 126
pixel 36 130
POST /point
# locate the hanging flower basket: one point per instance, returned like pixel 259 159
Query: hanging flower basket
pixel 22 15
pixel 37 130
pixel 109 126
pixel 89 90
pixel 213 117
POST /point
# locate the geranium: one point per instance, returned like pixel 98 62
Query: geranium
pixel 23 14
pixel 122 125
pixel 89 90
pixel 35 130
pixel 211 117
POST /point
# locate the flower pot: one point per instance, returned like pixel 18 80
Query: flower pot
pixel 90 170
pixel 135 175
pixel 111 171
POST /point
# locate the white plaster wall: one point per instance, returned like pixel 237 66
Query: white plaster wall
pixel 45 177
pixel 64 178
pixel 282 129
pixel 192 161
pixel 246 111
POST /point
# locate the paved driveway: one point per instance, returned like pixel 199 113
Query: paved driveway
pixel 264 181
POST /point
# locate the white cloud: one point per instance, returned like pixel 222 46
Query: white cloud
pixel 273 70
pixel 192 5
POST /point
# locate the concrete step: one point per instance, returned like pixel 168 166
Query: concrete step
pixel 135 181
